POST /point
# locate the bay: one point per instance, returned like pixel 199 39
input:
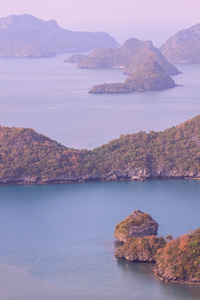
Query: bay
pixel 57 240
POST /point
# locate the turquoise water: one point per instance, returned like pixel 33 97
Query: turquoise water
pixel 62 236
pixel 56 241
pixel 52 97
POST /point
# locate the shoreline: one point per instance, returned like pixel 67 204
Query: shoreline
pixel 68 181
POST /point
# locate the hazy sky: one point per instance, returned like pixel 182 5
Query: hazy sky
pixel 144 19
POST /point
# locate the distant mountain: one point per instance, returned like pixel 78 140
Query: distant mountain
pixel 29 157
pixel 28 36
pixel 129 56
pixel 149 77
pixel 184 46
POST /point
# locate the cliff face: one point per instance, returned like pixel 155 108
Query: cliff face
pixel 139 224
pixel 27 36
pixel 149 77
pixel 184 46
pixel 130 56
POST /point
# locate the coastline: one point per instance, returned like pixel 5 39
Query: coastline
pixel 90 180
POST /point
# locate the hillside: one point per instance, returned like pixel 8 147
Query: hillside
pixel 184 46
pixel 29 157
pixel 148 77
pixel 179 260
pixel 28 36
pixel 129 56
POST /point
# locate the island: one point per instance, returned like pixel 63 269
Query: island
pixel 129 57
pixel 148 77
pixel 28 36
pixel 176 260
pixel 184 46
pixel 31 158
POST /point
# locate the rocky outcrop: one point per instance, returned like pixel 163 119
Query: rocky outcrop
pixel 184 46
pixel 149 77
pixel 141 249
pixel 130 56
pixel 27 36
pixel 139 224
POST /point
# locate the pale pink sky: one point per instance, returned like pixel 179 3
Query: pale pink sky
pixel 144 19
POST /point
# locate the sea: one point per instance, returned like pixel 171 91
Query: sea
pixel 56 241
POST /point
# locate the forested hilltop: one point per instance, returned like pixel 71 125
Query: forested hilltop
pixel 29 157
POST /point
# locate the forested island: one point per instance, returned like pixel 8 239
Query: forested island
pixel 176 260
pixel 29 157
pixel 28 36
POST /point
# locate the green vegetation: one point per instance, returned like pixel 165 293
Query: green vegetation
pixel 173 153
pixel 179 260
pixel 140 221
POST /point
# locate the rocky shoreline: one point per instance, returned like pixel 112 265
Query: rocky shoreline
pixel 30 181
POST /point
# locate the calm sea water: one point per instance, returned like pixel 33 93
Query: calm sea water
pixel 56 241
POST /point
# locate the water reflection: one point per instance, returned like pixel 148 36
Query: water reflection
pixel 145 271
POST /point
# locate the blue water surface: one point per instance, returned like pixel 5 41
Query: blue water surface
pixel 62 235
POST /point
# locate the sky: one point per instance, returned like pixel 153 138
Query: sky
pixel 154 20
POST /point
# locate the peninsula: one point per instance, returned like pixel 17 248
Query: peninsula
pixel 30 158
pixel 175 260
pixel 28 36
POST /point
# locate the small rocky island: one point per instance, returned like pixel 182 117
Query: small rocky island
pixel 150 76
pixel 175 260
